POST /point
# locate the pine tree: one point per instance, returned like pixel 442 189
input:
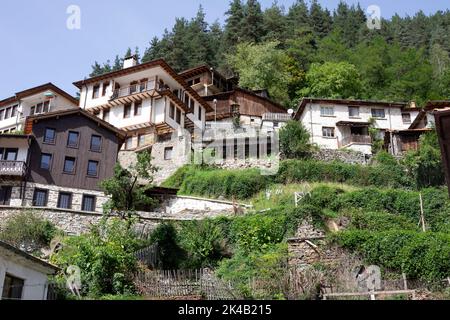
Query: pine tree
pixel 253 23
pixel 275 23
pixel 319 19
pixel 298 15
pixel 233 24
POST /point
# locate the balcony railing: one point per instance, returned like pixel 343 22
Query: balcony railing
pixel 357 139
pixel 134 89
pixel 276 117
pixel 12 168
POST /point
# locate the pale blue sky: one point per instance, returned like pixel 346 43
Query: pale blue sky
pixel 38 48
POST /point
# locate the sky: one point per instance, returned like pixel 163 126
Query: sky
pixel 37 47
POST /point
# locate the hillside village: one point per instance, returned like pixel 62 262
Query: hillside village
pixel 154 175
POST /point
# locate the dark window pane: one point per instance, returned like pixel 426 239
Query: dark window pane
pixel 88 204
pixel 69 165
pixel 127 111
pixel 137 108
pixel 46 160
pixel 40 198
pixel 96 143
pixel 73 139
pixel 92 168
pixel 5 195
pixel 12 288
pixel 46 107
pixel 65 201
pixel 39 108
pixel 50 135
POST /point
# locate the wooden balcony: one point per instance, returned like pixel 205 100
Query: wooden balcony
pixel 12 168
pixel 277 117
pixel 135 92
pixel 355 139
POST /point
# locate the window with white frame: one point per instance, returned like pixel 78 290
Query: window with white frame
pixel 326 111
pixel 406 117
pixel 353 112
pixel 328 132
pixel 378 113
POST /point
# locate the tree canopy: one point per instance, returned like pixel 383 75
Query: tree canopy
pixel 407 59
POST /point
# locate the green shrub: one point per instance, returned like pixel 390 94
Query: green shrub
pixel 106 257
pixel 380 221
pixel 204 243
pixel 423 256
pixel 258 231
pixel 170 253
pixel 28 227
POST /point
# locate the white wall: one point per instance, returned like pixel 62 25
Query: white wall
pixel 35 279
pixel 22 144
pixel 116 115
pixel 314 121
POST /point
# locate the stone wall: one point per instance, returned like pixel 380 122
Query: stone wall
pixel 310 247
pixel 346 156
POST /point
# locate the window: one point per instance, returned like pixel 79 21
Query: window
pixel 105 88
pixel 10 154
pixel 39 108
pixel 14 111
pixel 65 200
pixel 46 107
pixel 46 161
pixel 92 170
pixel 129 143
pixel 72 141
pixel 5 195
pixel 276 124
pixel 69 165
pixel 32 111
pixel 96 92
pixel 50 136
pixel 12 288
pixel 328 132
pixel 199 113
pixel 106 115
pixel 172 111
pixel 2 114
pixel 353 112
pixel 168 153
pixel 406 118
pixel 178 116
pixel 127 111
pixel 88 203
pixel 40 198
pixel 141 140
pixel 378 113
pixel 96 143
pixel 8 113
pixel 138 108
pixel 327 111
pixel 191 104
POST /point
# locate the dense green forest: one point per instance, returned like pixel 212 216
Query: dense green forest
pixel 306 50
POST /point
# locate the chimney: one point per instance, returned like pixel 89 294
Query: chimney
pixel 413 105
pixel 129 62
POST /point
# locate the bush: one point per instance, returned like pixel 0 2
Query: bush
pixel 423 256
pixel 106 257
pixel 204 243
pixel 295 140
pixel 380 221
pixel 170 253
pixel 27 228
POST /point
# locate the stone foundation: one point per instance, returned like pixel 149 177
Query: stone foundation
pixel 346 156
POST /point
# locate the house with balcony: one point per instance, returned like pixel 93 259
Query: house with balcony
pixel 59 162
pixel 154 105
pixel 38 100
pixel 404 140
pixel 344 124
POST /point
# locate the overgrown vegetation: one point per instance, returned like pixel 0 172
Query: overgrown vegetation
pixel 308 50
pixel 28 228
pixel 105 256
pixel 295 141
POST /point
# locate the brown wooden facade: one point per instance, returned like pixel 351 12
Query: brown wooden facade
pixel 242 101
pixel 86 126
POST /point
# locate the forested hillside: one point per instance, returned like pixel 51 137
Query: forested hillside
pixel 306 50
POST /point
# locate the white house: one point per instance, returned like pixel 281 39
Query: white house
pixel 336 124
pixel 22 276
pixel 37 100
pixel 146 100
